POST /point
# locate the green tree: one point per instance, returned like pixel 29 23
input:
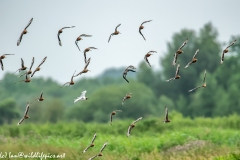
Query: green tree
pixel 8 111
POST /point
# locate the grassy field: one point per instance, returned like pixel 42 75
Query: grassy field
pixel 182 138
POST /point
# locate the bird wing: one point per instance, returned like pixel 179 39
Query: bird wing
pixel 93 157
pixel 1 64
pixel 170 79
pixel 76 42
pixel 184 43
pixel 152 52
pixel 85 150
pixel 83 93
pixel 111 116
pixel 21 120
pixel 188 64
pixel 178 69
pixel 231 44
pixel 137 120
pixel 41 95
pixel 222 58
pixel 22 63
pixel 27 108
pixel 42 61
pixel 124 98
pixel 65 84
pixel 194 56
pixel 194 89
pixel 94 137
pixel 73 76
pixel 146 22
pixel 147 60
pixel 87 63
pixel 142 34
pixel 32 63
pixel 29 23
pixel 33 73
pixel 85 35
pixel 68 27
pixel 166 113
pixel 129 130
pixel 104 145
pixel 8 54
pixel 124 76
pixel 59 40
pixel 117 27
pixel 175 59
pixel 92 47
pixel 205 74
pixel 20 39
pixel 110 37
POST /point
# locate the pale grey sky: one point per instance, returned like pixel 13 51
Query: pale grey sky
pixel 99 18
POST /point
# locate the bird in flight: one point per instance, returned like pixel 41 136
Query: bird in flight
pixel 24 32
pixel 203 85
pixel 40 98
pixel 166 120
pixel 112 114
pixel 126 97
pixel 25 116
pixel 82 97
pixel 177 76
pixel 85 70
pixel 22 66
pixel 100 153
pixel 141 27
pixel 59 32
pixel 114 33
pixel 148 55
pixel 80 38
pixel 2 57
pixel 71 82
pixel 129 68
pixel 179 51
pixel 226 50
pixel 30 69
pixel 92 143
pixel 87 50
pixel 38 68
pixel 194 59
pixel 132 126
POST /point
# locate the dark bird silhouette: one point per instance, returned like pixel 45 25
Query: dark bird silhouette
pixel 114 33
pixel 226 50
pixel 148 55
pixel 129 68
pixel 80 38
pixel 141 27
pixel 24 32
pixel 59 32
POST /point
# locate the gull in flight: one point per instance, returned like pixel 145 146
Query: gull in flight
pixel 82 97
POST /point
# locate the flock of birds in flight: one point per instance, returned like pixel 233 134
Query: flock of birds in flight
pixel 29 73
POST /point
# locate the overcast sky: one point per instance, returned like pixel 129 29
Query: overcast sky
pixel 99 19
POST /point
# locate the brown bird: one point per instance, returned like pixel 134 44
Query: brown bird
pixel 29 71
pixel 114 33
pixel 148 55
pixel 22 66
pixel 203 85
pixel 141 27
pixel 39 99
pixel 226 50
pixel 80 38
pixel 38 68
pixel 112 114
pixel 25 114
pixel 132 126
pixel 59 32
pixel 129 68
pixel 27 80
pixel 87 50
pixel 166 120
pixel 194 59
pixel 100 153
pixel 177 76
pixel 126 97
pixel 24 32
pixel 92 143
pixel 2 57
pixel 71 82
pixel 179 51
pixel 85 70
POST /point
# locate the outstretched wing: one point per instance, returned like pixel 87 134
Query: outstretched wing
pixel 166 114
pixel 32 63
pixel 59 40
pixel 65 84
pixel 27 108
pixel 184 43
pixel 194 56
pixel 83 93
pixel 85 150
pixel 124 98
pixel 175 59
pixel 68 27
pixel 222 58
pixel 117 27
pixel 21 120
pixel 124 76
pixel 93 157
pixel 87 63
pixel 94 137
pixel 29 23
pixel 231 44
pixel 104 145
pixel 76 42
pixel 178 69
pixel 137 120
pixel 146 22
pixel 170 79
pixel 111 116
pixel 85 35
pixel 110 37
pixel 20 39
pixel 129 130
pixel 194 89
pixel 204 79
pixel 142 34
pixel 188 64
pixel 41 95
pixel 92 47
pixel 1 63
pixel 147 60
pixel 42 61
